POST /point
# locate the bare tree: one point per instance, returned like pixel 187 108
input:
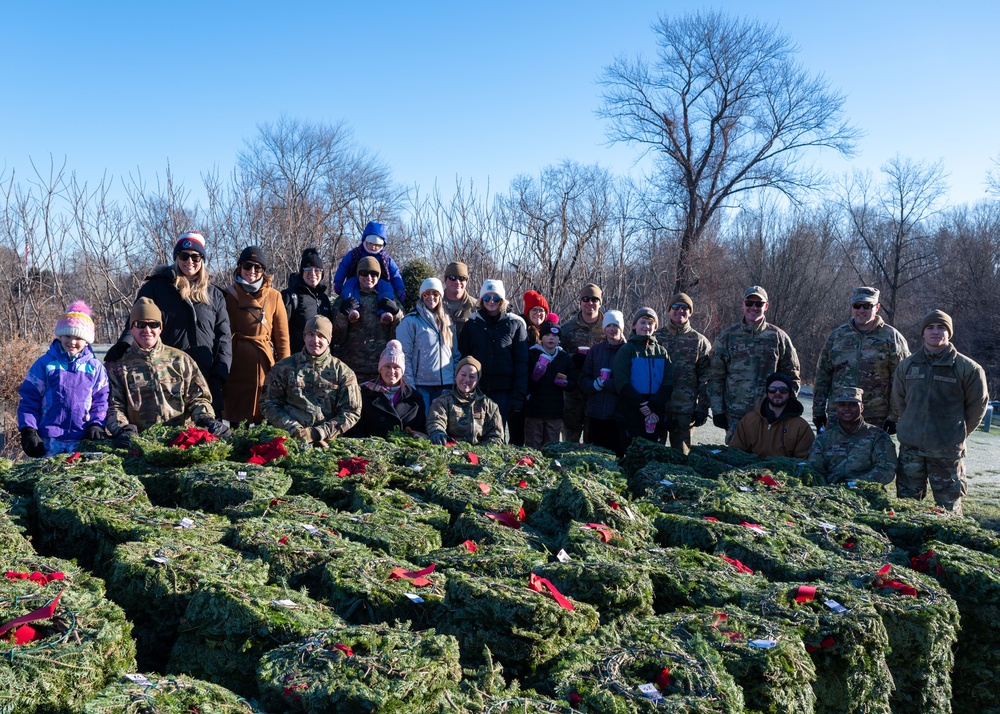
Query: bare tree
pixel 888 242
pixel 725 110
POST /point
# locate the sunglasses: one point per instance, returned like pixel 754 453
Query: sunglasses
pixel 457 278
pixel 492 298
pixel 367 274
pixel 680 306
pixel 143 324
pixel 252 267
pixel 193 257
pixel 863 306
pixel 754 303
pixel 590 299
pixel 777 390
pixel 312 270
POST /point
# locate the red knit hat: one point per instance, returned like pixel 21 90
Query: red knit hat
pixel 534 299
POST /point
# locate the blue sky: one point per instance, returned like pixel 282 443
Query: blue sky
pixel 479 91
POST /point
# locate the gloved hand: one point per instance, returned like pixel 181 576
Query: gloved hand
pixel 387 305
pixel 123 440
pixel 820 422
pixel 301 432
pixel 348 304
pixel 32 443
pixel 215 426
pixel 315 436
pixel 700 418
pixel 889 426
pixel 116 352
pixel 645 410
pixel 94 432
pixel 439 438
pixel 599 384
pixel 721 421
pixel 215 384
pixel 517 403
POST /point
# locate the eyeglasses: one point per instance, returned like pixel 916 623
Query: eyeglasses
pixel 143 324
pixel 252 267
pixel 863 305
pixel 777 390
pixel 590 299
pixel 193 257
pixel 680 306
pixel 457 278
pixel 367 274
pixel 754 303
pixel 312 270
pixel 492 298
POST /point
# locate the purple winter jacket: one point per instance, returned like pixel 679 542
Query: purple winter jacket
pixel 61 397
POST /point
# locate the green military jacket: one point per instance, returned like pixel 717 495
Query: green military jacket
pixel 575 332
pixel 154 386
pixel 459 310
pixel 867 454
pixel 307 391
pixel 359 344
pixel 742 357
pixel 473 418
pixel 851 358
pixel 937 401
pixel 691 353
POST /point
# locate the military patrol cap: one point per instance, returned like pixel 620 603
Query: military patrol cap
pixel 850 394
pixel 866 295
pixel 755 290
pixel 319 324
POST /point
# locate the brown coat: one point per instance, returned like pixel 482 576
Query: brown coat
pixel 790 435
pixel 260 338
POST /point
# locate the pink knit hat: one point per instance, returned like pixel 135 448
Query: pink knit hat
pixel 76 322
pixel 392 354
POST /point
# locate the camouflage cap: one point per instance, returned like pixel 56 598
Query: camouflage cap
pixel 850 394
pixel 755 290
pixel 865 294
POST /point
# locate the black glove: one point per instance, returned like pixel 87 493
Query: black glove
pixel 215 385
pixel 889 426
pixel 721 421
pixel 348 304
pixel 439 438
pixel 116 352
pixel 517 403
pixel 700 418
pixel 124 438
pixel 216 427
pixel 32 443
pixel 389 306
pixel 94 432
pixel 820 422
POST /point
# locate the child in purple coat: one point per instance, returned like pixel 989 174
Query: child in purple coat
pixel 64 398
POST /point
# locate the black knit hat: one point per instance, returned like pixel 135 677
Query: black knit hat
pixel 310 259
pixel 780 377
pixel 255 254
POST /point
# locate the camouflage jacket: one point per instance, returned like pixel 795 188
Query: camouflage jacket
pixel 868 360
pixel 158 385
pixel 359 344
pixel 459 310
pixel 691 353
pixel 306 391
pixel 742 357
pixel 575 332
pixel 474 418
pixel 866 455
pixel 937 401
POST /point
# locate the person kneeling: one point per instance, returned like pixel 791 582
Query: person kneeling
pixel 852 449
pixel 465 413
pixel 387 402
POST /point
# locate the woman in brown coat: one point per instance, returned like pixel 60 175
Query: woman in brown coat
pixel 260 335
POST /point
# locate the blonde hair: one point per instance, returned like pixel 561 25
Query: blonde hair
pixel 193 289
pixel 443 320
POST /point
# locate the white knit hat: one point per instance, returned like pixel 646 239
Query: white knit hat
pixel 493 286
pixel 431 284
pixel 614 317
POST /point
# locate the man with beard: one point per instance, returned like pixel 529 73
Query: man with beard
pixel 776 426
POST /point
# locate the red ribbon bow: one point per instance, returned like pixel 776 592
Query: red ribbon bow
pixel 709 518
pixel 473 459
pixel 269 451
pixel 414 576
pixel 528 461
pixel 923 563
pixel 614 506
pixel 74 457
pixel 484 487
pixel 805 593
pixel 663 679
pixel 505 519
pixel 42 613
pixel 603 531
pixel 827 643
pixel 192 437
pixel 470 546
pixel 522 484
pixel 348 652
pixel 882 581
pixel 35 576
pixel 740 568
pixel 540 585
pixel 768 481
pixel 353 465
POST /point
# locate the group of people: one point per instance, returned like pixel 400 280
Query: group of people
pixel 460 367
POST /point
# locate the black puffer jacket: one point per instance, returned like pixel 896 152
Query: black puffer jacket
pixel 302 303
pixel 379 415
pixel 501 346
pixel 199 329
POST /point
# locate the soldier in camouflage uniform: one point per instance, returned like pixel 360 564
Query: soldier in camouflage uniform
pixel 863 352
pixel 938 399
pixel 156 384
pixel 457 301
pixel 464 413
pixel 312 394
pixel 581 331
pixel 363 327
pixel 690 351
pixel 742 356
pixel 851 449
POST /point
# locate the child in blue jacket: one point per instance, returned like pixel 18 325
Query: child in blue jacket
pixel 390 290
pixel 64 398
